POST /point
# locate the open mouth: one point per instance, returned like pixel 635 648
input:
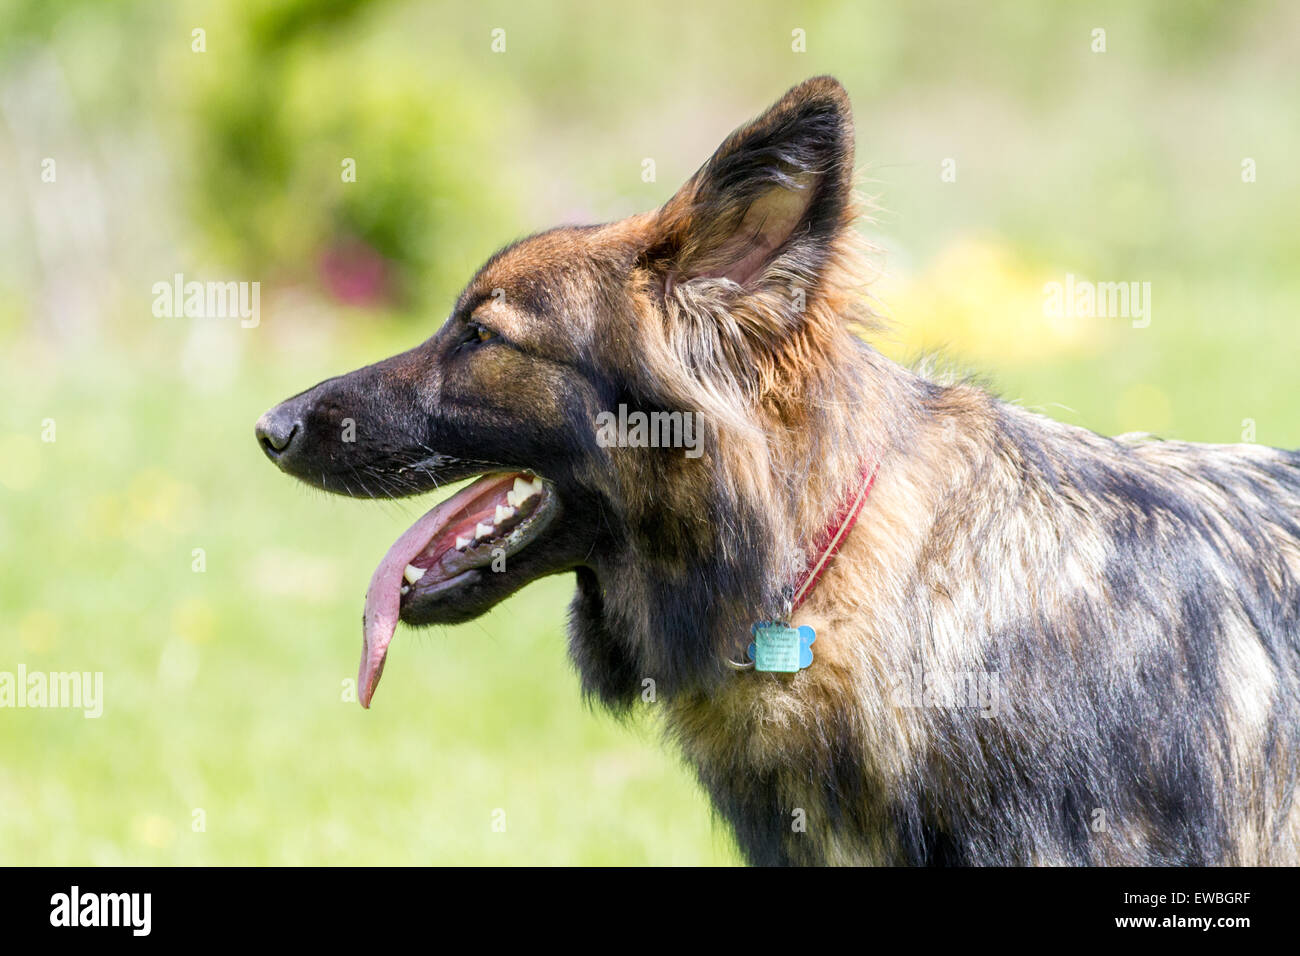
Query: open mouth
pixel 472 533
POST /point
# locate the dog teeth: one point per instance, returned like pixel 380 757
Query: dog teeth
pixel 412 573
pixel 406 588
pixel 524 490
pixel 462 542
pixel 484 530
pixel 503 513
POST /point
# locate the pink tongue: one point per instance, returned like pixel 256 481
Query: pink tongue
pixel 383 598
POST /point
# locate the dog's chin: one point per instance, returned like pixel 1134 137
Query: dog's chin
pixel 454 601
pixel 470 593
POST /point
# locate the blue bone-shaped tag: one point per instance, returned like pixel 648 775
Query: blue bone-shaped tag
pixel 780 647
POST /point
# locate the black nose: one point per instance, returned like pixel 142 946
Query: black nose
pixel 277 428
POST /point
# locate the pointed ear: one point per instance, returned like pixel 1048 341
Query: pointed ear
pixel 775 194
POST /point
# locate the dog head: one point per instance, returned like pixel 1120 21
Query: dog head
pixel 569 362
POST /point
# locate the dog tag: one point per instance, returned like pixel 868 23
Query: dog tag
pixel 781 648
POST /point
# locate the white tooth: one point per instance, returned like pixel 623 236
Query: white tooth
pixel 484 530
pixel 504 513
pixel 524 490
pixel 537 486
pixel 512 498
pixel 405 588
pixel 412 573
pixel 462 543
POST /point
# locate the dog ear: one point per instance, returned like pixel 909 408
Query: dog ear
pixel 770 200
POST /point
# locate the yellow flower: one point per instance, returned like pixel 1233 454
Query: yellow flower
pixel 979 305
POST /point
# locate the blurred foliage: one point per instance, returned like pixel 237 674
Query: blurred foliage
pixel 321 84
pixel 278 98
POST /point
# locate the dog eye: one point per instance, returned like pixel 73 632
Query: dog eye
pixel 480 333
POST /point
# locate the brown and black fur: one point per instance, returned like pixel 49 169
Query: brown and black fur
pixel 1137 600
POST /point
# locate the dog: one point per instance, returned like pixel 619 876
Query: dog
pixel 887 619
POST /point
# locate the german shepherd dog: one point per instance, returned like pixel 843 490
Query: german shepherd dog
pixel 1033 644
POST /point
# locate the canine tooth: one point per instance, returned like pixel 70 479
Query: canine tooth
pixel 462 542
pixel 537 486
pixel 412 573
pixel 524 490
pixel 504 513
pixel 512 498
pixel 484 530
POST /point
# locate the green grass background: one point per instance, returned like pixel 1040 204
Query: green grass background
pixel 224 690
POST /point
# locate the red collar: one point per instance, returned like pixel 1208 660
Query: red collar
pixel 827 544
